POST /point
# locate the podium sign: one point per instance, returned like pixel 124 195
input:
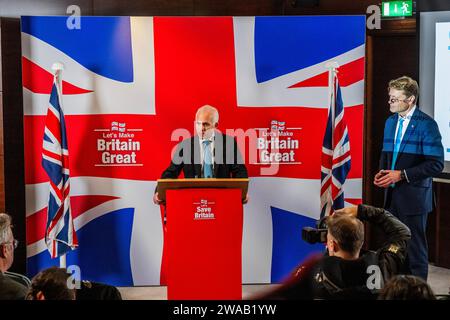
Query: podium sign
pixel 204 242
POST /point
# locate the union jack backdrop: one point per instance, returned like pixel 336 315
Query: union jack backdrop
pixel 123 80
pixel 60 236
pixel 336 159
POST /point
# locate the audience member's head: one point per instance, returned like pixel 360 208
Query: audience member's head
pixel 7 242
pixel 345 236
pixel 406 287
pixel 51 284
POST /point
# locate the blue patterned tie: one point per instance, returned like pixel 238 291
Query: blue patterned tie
pixel 207 159
pixel 398 141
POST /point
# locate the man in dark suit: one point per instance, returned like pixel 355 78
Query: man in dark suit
pixel 9 288
pixel 209 154
pixel 412 154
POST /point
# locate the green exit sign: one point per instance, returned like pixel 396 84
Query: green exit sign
pixel 397 9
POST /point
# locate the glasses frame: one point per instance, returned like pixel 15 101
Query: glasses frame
pixel 395 100
pixel 203 124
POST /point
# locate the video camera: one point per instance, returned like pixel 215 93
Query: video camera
pixel 316 235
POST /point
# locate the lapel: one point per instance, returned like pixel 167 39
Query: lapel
pixel 409 130
pixel 392 128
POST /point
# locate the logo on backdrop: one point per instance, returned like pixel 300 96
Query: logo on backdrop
pixel 278 144
pixel 204 210
pixel 118 145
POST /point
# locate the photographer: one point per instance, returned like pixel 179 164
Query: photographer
pixel 346 272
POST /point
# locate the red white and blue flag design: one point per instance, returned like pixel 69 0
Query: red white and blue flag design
pixel 129 82
pixel 336 158
pixel 60 235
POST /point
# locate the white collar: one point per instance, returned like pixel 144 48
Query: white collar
pixel 210 139
pixel 408 116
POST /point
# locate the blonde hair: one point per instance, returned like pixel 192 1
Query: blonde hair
pixel 406 84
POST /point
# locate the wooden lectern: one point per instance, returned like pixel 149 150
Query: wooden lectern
pixel 203 240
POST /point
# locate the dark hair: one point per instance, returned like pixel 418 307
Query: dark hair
pixel 52 282
pixel 408 287
pixel 348 232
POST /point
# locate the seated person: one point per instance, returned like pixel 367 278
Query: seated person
pixel 10 289
pixel 346 272
pixel 406 287
pixel 20 278
pixel 51 284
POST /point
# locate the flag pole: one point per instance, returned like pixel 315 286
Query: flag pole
pixel 332 72
pixel 57 68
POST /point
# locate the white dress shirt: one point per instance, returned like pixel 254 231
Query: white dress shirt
pixel 406 119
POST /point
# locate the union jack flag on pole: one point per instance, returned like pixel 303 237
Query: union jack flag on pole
pixel 60 236
pixel 336 160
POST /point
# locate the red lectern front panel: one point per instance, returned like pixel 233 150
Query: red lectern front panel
pixel 204 244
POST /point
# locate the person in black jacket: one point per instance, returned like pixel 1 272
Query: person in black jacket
pixel 346 272
pixel 209 154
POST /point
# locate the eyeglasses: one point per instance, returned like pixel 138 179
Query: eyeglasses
pixel 203 124
pixel 15 243
pixel 395 100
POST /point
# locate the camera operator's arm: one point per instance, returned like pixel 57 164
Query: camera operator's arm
pixel 394 230
pixel 397 235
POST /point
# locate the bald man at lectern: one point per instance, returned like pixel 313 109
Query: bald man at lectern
pixel 209 154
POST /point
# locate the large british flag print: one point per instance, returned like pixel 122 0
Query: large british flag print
pixel 150 74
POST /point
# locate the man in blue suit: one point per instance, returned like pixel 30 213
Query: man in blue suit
pixel 412 154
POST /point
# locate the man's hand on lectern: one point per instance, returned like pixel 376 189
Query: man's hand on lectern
pixel 156 199
pixel 246 199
